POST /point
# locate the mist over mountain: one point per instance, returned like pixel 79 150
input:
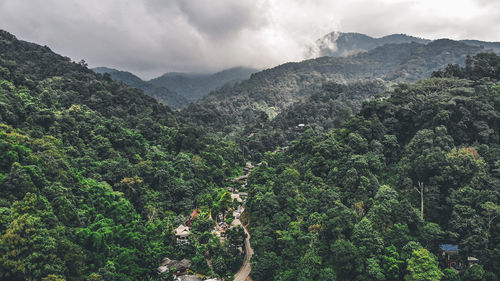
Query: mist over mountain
pixel 342 44
pixel 194 86
pixel 177 89
pixel 268 92
pixel 162 94
pixel 379 161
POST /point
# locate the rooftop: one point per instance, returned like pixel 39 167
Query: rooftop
pixel 449 247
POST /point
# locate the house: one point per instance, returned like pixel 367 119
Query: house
pixel 240 178
pixel 188 278
pixel 450 255
pixel 300 127
pixel 180 267
pixel 452 259
pixel 243 195
pixel 194 214
pixel 182 233
pixel 236 197
pixel 472 261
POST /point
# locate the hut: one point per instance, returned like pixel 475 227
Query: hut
pixel 182 233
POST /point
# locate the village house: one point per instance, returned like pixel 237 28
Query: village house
pixel 181 267
pixel 188 278
pixel 182 233
pixel 449 253
pixel 243 195
pixel 236 197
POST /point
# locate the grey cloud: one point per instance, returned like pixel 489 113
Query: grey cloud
pixel 150 37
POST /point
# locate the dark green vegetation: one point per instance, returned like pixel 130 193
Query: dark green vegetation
pixel 321 111
pixel 178 89
pixel 95 175
pixel 268 93
pixel 346 205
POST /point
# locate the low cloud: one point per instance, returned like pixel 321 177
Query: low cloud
pixel 151 37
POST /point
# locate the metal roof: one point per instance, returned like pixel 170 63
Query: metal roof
pixel 449 247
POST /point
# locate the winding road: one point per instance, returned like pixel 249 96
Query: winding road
pixel 244 272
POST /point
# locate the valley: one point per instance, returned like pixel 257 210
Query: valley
pixel 380 161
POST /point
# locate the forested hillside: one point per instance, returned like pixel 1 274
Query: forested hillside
pixel 321 111
pixel 269 92
pixel 342 44
pixel 177 90
pixel 95 175
pixel 162 94
pixel 379 196
pixel 194 86
pixel 373 180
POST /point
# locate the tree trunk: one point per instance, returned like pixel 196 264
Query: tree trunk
pixel 420 191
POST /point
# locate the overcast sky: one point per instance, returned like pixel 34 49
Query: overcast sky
pixel 150 37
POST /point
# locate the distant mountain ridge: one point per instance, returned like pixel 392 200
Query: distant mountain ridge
pixel 162 94
pixel 194 86
pixel 267 93
pixel 177 89
pixel 342 44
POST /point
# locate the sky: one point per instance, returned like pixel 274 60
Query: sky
pixel 151 37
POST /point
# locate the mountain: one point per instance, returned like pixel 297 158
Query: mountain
pixel 376 181
pixel 163 94
pixel 325 109
pixel 494 46
pixel 95 175
pixel 177 89
pixel 340 44
pixel 269 92
pixel 195 86
pixel 385 194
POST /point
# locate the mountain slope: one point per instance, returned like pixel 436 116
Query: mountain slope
pixel 347 204
pixel 340 44
pixel 268 92
pixel 162 94
pixel 196 86
pixel 95 175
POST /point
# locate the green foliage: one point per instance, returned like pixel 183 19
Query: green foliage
pixel 352 192
pixel 93 173
pixel 422 265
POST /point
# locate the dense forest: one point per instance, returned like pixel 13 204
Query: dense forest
pixel 95 175
pixel 373 179
pixel 377 196
pixel 267 93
